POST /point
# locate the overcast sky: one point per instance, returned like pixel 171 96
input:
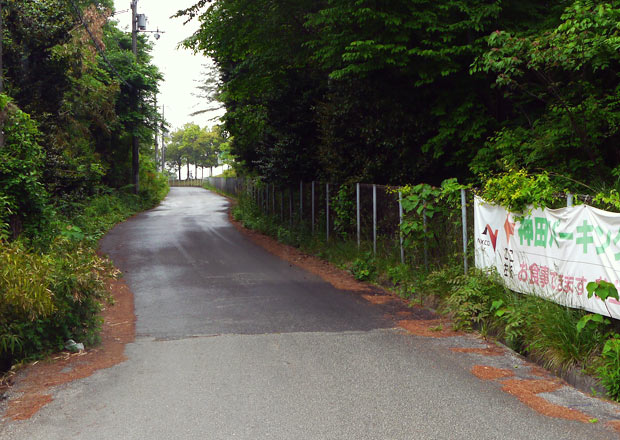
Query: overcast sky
pixel 181 68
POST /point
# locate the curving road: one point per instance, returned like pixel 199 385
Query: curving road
pixel 233 343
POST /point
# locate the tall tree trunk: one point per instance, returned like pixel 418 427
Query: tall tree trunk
pixel 211 173
pixel 179 170
pixel 195 171
pixel 188 170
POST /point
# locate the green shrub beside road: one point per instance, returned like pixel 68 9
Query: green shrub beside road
pixel 52 285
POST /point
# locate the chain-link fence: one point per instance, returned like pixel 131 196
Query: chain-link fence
pixel 371 215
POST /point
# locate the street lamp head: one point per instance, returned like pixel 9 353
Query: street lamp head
pixel 157 36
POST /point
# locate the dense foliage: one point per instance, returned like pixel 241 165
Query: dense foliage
pixel 67 116
pixel 69 67
pixel 408 91
pixel 23 198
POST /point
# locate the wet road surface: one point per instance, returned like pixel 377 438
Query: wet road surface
pixel 233 343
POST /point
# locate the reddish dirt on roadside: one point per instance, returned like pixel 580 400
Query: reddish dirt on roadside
pixel 33 386
pixel 491 350
pixel 485 372
pixel 526 391
pixel 615 425
pixel 539 371
pixel 379 299
pixel 434 328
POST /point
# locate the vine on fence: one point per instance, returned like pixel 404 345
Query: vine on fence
pixel 424 200
pixel 343 206
pixel 515 190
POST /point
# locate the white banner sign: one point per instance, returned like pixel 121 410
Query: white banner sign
pixel 553 253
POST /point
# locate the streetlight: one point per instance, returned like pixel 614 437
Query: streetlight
pixel 138 24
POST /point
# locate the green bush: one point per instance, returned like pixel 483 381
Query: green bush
pixel 343 208
pixel 553 336
pixel 471 298
pixel 153 185
pixel 48 298
pixel 609 370
pixel 23 198
pixel 516 189
pixel 54 291
pixel 364 268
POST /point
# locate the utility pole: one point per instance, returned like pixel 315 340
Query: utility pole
pixel 138 24
pixel 156 135
pixel 163 138
pixel 135 146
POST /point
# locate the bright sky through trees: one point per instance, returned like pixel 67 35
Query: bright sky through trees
pixel 180 67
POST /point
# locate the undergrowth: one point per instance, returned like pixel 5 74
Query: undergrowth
pixel 52 283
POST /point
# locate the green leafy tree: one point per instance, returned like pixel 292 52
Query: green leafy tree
pixel 192 145
pixel 358 90
pixel 402 101
pixel 73 71
pixel 562 82
pixel 23 198
pixel 190 137
pixel 174 152
pixel 268 82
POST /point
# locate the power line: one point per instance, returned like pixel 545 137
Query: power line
pixel 97 47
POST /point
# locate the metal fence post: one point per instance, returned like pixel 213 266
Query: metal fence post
pixel 425 239
pixel 400 228
pixel 290 205
pixel 313 207
pixel 464 222
pixel 327 209
pixel 374 219
pixel 359 223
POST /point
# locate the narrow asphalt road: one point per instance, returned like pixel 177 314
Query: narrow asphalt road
pixel 233 343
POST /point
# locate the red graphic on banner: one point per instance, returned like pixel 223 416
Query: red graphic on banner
pixel 509 227
pixel 492 235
